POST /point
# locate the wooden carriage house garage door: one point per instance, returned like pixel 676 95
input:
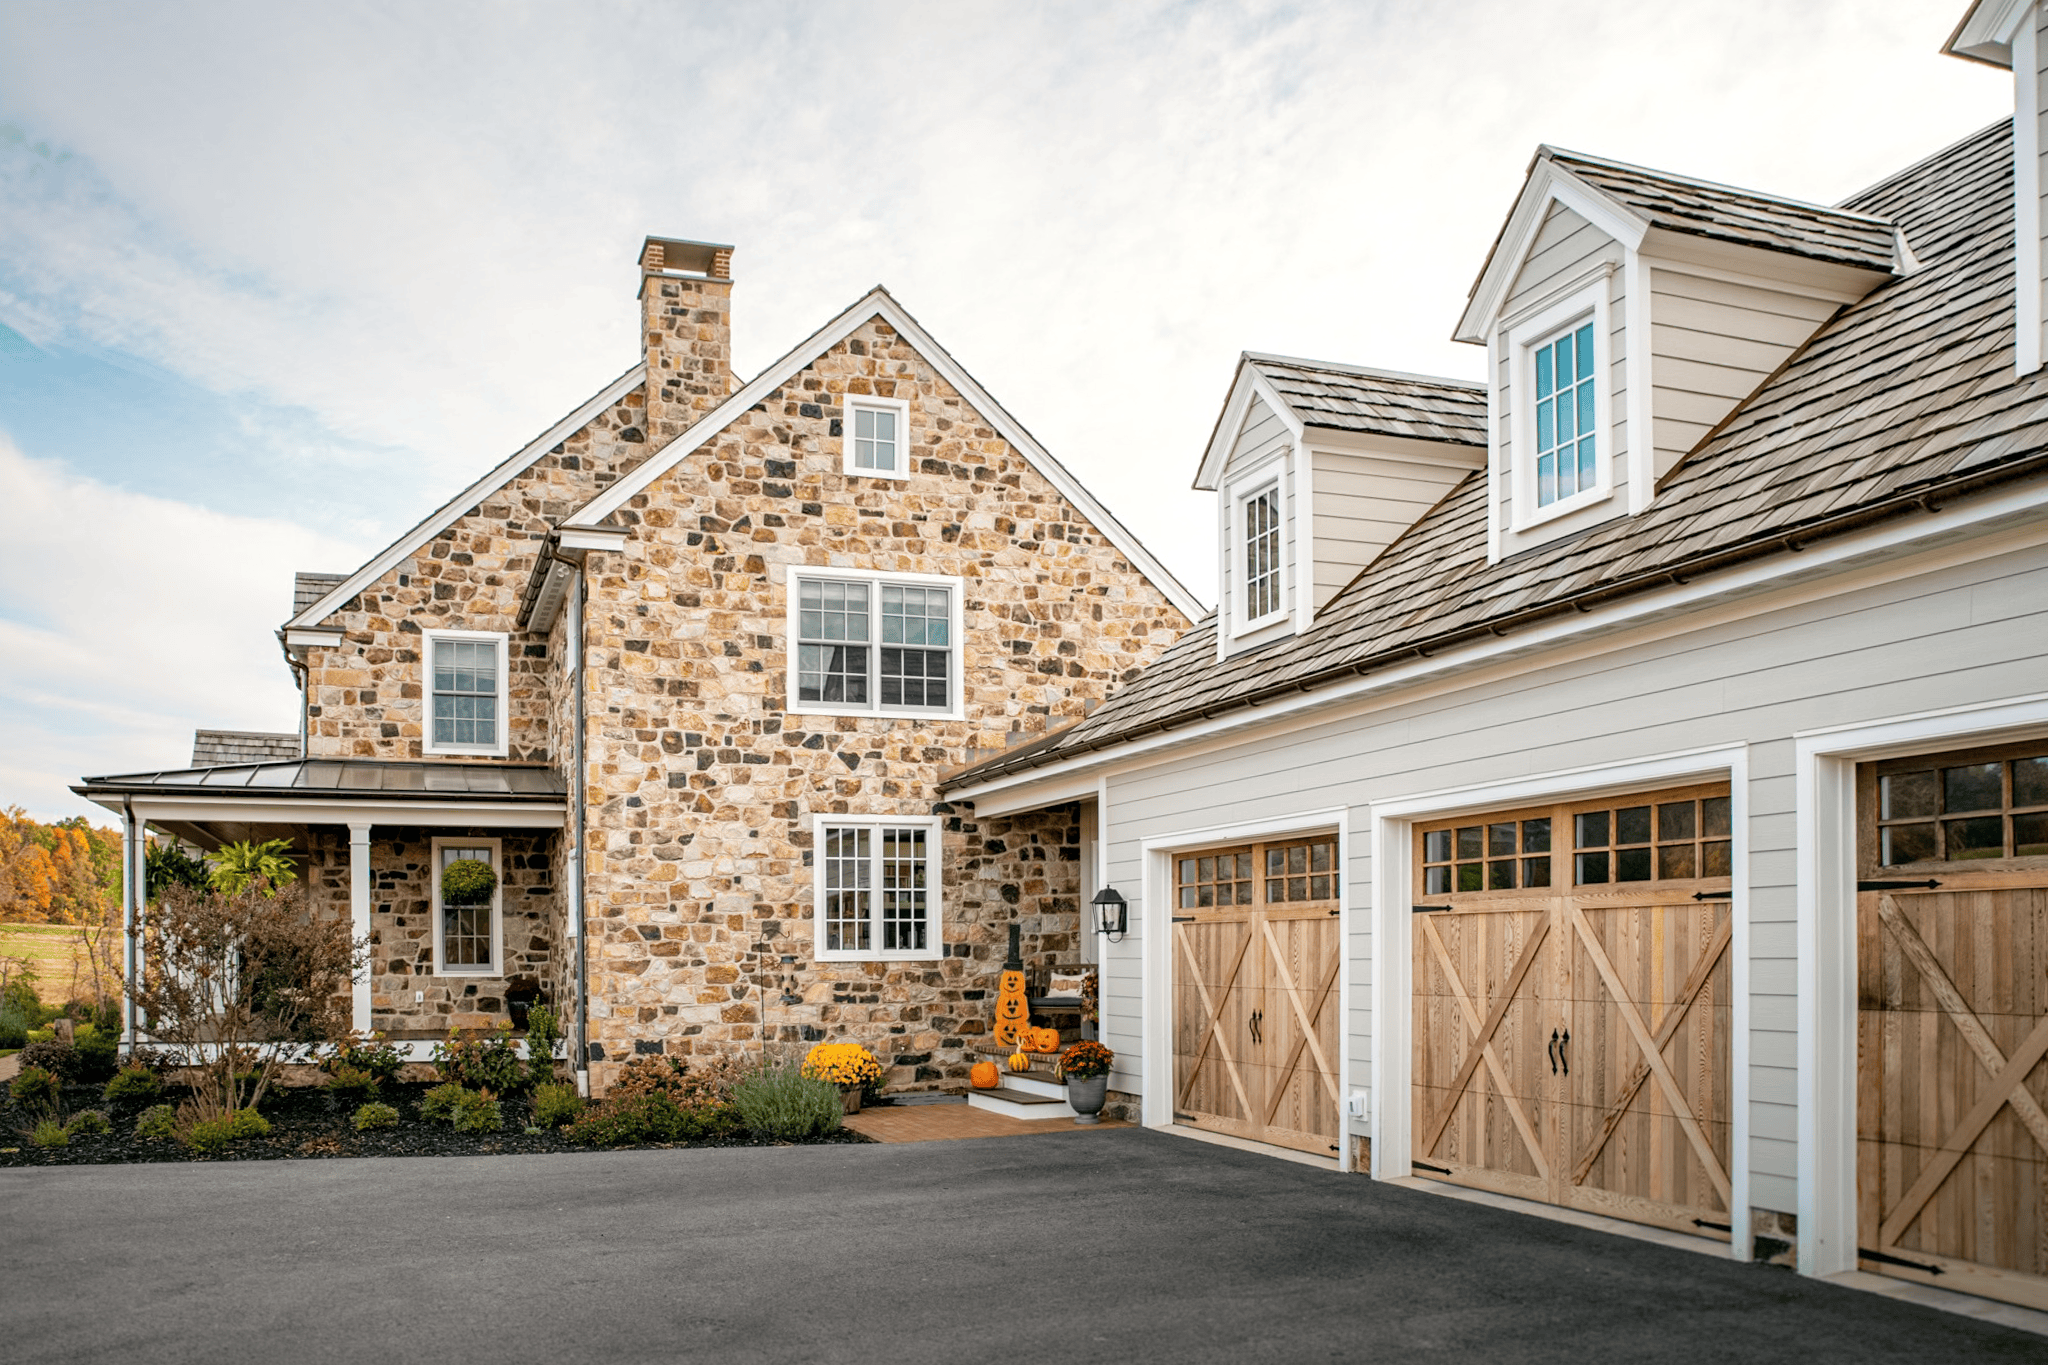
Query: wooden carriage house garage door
pixel 1255 957
pixel 1952 1016
pixel 1571 975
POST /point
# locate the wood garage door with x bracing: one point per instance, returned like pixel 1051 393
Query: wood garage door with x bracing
pixel 1952 1020
pixel 1256 947
pixel 1571 1005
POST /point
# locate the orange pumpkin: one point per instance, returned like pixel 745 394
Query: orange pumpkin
pixel 1009 1031
pixel 1042 1040
pixel 984 1076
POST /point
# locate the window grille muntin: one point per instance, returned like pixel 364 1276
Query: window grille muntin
pixel 841 662
pixel 467 939
pixel 1567 372
pixel 878 889
pixel 876 441
pixel 1963 807
pixel 466 679
pixel 1262 563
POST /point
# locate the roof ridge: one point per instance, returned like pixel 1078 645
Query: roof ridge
pixel 1564 153
pixel 1370 371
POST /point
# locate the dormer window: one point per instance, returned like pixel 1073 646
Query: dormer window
pixel 1259 520
pixel 1565 405
pixel 876 432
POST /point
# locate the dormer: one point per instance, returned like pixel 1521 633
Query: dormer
pixel 1319 467
pixel 1626 313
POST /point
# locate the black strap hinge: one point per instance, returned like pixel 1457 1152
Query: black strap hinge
pixel 1183 919
pixel 1425 1166
pixel 1718 1227
pixel 1179 1117
pixel 1428 909
pixel 1728 895
pixel 1927 885
pixel 1886 1258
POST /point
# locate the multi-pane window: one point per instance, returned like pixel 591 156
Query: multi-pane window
pixel 1969 808
pixel 1262 554
pixel 1672 836
pixel 1301 872
pixel 466 937
pixel 1279 873
pixel 1656 841
pixel 467 676
pixel 877 890
pixel 875 441
pixel 1565 454
pixel 1499 855
pixel 863 644
pixel 1212 879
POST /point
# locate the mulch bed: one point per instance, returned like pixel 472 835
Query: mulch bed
pixel 304 1124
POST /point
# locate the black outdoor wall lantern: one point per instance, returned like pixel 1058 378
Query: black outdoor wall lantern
pixel 1109 903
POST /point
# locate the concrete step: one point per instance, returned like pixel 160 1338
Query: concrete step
pixel 1021 1104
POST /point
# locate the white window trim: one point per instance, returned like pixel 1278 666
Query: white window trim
pixel 503 642
pixel 1259 484
pixel 956 597
pixel 934 901
pixel 1523 340
pixel 874 404
pixel 497 966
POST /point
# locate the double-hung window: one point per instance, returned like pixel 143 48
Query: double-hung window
pixel 875 643
pixel 877 888
pixel 465 692
pixel 876 433
pixel 1262 555
pixel 468 929
pixel 1566 458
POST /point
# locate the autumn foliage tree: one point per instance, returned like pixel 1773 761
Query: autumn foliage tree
pixel 65 873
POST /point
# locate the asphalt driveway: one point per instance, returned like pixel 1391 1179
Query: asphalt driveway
pixel 1118 1245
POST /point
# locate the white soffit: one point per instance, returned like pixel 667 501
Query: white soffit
pixel 1986 32
pixel 878 303
pixel 452 511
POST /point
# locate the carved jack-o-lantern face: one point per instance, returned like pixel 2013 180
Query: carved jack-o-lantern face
pixel 1012 1007
pixel 1008 1031
pixel 1010 983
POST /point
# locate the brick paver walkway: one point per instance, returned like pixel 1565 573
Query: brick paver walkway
pixel 941 1122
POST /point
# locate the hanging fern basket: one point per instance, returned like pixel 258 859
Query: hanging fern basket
pixel 467 881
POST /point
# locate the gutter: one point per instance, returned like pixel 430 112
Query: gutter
pixel 576 848
pixel 1789 540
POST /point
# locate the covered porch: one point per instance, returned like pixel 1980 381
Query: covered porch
pixel 370 839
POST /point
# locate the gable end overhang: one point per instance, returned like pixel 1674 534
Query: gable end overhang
pixel 1986 32
pixel 879 303
pixel 1247 385
pixel 1548 183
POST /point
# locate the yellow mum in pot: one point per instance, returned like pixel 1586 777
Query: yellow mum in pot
pixel 842 1064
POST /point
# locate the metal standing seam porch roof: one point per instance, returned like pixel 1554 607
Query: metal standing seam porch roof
pixel 330 779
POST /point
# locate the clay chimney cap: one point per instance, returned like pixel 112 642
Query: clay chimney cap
pixel 678 256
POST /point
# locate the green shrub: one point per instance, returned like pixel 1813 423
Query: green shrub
pixel 367 1053
pixel 489 1061
pixel 467 881
pixel 556 1103
pixel 157 1121
pixel 88 1121
pixel 41 1035
pixel 439 1104
pixel 351 1083
pixel 60 1059
pixel 215 1135
pixel 98 1054
pixel 50 1133
pixel 543 1031
pixel 133 1083
pixel 13 1029
pixel 375 1116
pixel 653 1117
pixel 787 1106
pixel 478 1112
pixel 249 1123
pixel 36 1087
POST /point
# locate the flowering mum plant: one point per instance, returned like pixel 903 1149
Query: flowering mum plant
pixel 1086 1060
pixel 842 1064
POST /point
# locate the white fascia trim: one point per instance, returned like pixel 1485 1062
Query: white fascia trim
pixel 1391 832
pixel 2026 185
pixel 1496 468
pixel 1986 34
pixel 1547 183
pixel 1152 926
pixel 1249 384
pixel 496 966
pixel 500 746
pixel 523 815
pixel 1824 782
pixel 901 408
pixel 453 510
pixel 878 303
pixel 934 906
pixel 956 594
pixel 301 638
pixel 1304 599
pixel 1640 439
pixel 1937 527
pixel 1588 300
pixel 591 538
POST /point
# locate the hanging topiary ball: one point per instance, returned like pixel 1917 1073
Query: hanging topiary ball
pixel 467 881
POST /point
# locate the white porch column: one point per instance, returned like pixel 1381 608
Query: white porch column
pixel 133 894
pixel 359 914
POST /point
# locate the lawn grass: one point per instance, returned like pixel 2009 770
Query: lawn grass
pixel 51 949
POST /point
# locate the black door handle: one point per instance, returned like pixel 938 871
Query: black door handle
pixel 1553 1052
pixel 1564 1051
pixel 1257 1017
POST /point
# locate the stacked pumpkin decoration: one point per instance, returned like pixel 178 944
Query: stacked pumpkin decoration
pixel 1012 1013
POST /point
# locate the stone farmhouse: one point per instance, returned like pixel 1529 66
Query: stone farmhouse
pixel 686 671
pixel 1622 783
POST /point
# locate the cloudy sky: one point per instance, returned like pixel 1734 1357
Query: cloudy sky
pixel 275 280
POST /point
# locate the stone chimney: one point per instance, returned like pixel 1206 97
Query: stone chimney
pixel 686 318
pixel 2010 34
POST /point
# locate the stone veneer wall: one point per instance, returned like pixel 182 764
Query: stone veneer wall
pixel 705 790
pixel 364 696
pixel 402 927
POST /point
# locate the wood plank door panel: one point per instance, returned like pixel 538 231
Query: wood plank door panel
pixel 1298 1027
pixel 1215 965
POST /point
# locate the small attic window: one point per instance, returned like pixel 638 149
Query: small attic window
pixel 876 433
pixel 1566 461
pixel 1259 519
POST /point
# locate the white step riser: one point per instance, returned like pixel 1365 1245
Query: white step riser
pixel 1031 1113
pixel 1035 1085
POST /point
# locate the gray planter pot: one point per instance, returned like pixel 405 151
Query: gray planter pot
pixel 1085 1096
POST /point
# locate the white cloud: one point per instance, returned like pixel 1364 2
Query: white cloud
pixel 128 621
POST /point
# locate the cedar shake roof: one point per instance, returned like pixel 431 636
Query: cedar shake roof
pixel 1904 397
pixel 1378 402
pixel 214 748
pixel 1857 237
pixel 308 588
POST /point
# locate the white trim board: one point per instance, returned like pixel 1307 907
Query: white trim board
pixel 878 303
pixel 1392 835
pixel 1824 778
pixel 453 510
